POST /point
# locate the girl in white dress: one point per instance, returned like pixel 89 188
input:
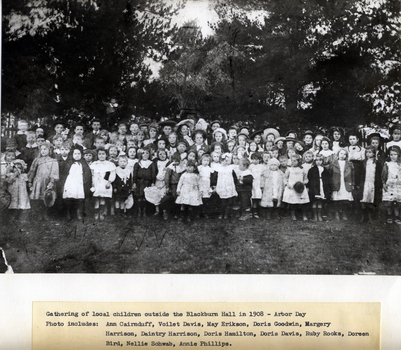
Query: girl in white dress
pixel 103 175
pixel 188 192
pixel 205 181
pixel 225 186
pixel 256 169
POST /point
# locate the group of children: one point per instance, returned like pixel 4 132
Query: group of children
pixel 196 169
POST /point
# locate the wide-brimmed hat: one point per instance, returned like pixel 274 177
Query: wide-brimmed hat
pixel 216 121
pixel 291 132
pixel 11 143
pixel 221 130
pixel 190 123
pixel 58 122
pixel 288 138
pixel 308 132
pixel 269 131
pixel 257 132
pixel 299 187
pixel 381 137
pixel 49 197
pixel 201 124
pixel 279 139
pixel 164 123
pixel 153 126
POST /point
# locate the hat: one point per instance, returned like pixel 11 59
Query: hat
pixel 221 130
pixel 288 138
pixel 185 143
pixel 20 161
pixel 11 143
pixel 199 131
pixel 269 131
pixel 190 123
pixel 202 124
pixel 382 138
pixel 273 161
pixel 279 139
pixel 299 187
pixel 167 123
pixel 337 128
pixel 242 134
pixel 308 132
pixel 153 126
pixel 58 122
pixel 214 144
pixel 291 132
pixel 356 133
pixel 5 199
pixel 257 132
pixel 300 143
pixel 215 122
pixel 143 124
pixel 49 197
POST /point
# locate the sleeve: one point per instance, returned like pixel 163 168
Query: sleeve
pixel 352 174
pixel 309 175
pixel 213 178
pixel 385 173
pixel 54 171
pixel 235 177
pixel 112 176
pixel 32 170
pixel 180 183
pixel 153 171
pixel 135 172
pixel 247 180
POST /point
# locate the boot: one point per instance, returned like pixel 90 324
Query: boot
pixel 293 216
pixel 319 214
pixel 97 214
pixel 80 211
pixel 102 212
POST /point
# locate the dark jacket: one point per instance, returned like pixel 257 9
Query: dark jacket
pixel 314 183
pixel 247 181
pixel 335 172
pixel 87 175
pixel 378 180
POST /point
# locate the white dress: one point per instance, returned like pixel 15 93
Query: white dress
pixel 154 194
pixel 205 173
pixel 99 170
pixel 256 170
pixel 369 185
pixel 290 196
pixel 188 187
pixel 225 186
pixel 342 194
pixel 74 184
pixel 393 193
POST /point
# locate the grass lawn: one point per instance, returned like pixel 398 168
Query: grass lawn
pixel 151 245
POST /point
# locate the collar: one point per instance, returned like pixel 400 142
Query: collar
pixel 31 146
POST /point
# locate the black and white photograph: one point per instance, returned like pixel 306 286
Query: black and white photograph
pixel 201 137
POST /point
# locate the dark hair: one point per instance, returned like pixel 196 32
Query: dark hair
pixel 245 162
pixel 256 155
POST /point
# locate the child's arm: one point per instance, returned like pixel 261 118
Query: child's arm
pixel 385 176
pixel 54 174
pixel 286 177
pixel 112 176
pixel 180 183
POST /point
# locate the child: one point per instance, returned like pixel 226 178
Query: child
pixel 57 143
pixel 275 152
pixel 395 132
pixel 342 183
pixel 252 148
pixel 317 144
pixel 319 186
pixel 215 164
pixel 144 176
pixel 231 146
pixel 326 152
pixel 99 143
pixel 192 156
pixel 155 193
pixel 103 174
pixel 89 156
pixel 199 138
pixel 225 186
pixel 283 163
pixel 20 137
pixel 75 182
pixel 113 154
pixel 188 192
pixel 266 156
pixel 256 169
pixel 31 149
pixel 42 175
pixel 272 185
pixel 307 161
pixel 172 143
pixel 337 137
pixel 122 184
pixel 243 186
pixel 140 138
pixel 269 146
pixel 132 160
pixel 205 182
pixel 220 135
pixel 295 192
pixel 16 182
pixel 392 185
pixel 371 185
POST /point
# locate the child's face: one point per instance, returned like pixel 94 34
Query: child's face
pixel 227 160
pixel 336 136
pixel 308 139
pixel 353 140
pixel 162 155
pixel 275 153
pixel 273 167
pixel 79 130
pixel 255 161
pixel 58 142
pixel 242 166
pixel 269 146
pixel 113 137
pixel 216 158
pixel 145 155
pixel 190 169
pixel 235 160
pixel 232 133
pixel 396 135
pixel 369 153
pixel 40 141
pixel 77 139
pixel 96 126
pixel 245 131
pixel 172 139
pixel 266 158
pixel 342 155
pixel 308 158
pixel 318 140
pixel 59 128
pixel 215 126
pixel 88 157
pixel 201 152
pixel 184 130
pixel 181 148
pixel 290 153
pixel 113 152
pixel 104 136
pixel 375 143
pixel 217 149
pixel 218 136
pixel 130 144
pixel 283 162
pixel 319 161
pixel 30 138
pixel 294 161
pixel 240 152
pixel 102 155
pixel 270 138
pixel 39 132
pixel 44 151
pixel 280 144
pixel 122 129
pixel 64 151
pixel 290 144
pixel 122 162
pixel 99 143
pixel 253 146
pixel 191 157
pixel 298 147
pixel 199 139
pixel 230 146
pixel 205 161
pixel 9 157
pixel 393 156
pixel 167 130
pixel 132 153
pixel 161 144
pixel 134 128
pixel 140 136
pixel 120 145
pixel 325 145
pixel 291 134
pixel 152 133
pixel 242 141
pixel 257 139
pixel 76 155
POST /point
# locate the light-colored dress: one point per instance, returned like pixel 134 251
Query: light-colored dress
pixel 16 185
pixel 342 194
pixel 273 187
pixel 74 184
pixel 99 170
pixel 225 186
pixel 188 189
pixel 256 170
pixel 369 185
pixel 43 169
pixel 393 193
pixel 205 172
pixel 291 177
pixel 154 194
